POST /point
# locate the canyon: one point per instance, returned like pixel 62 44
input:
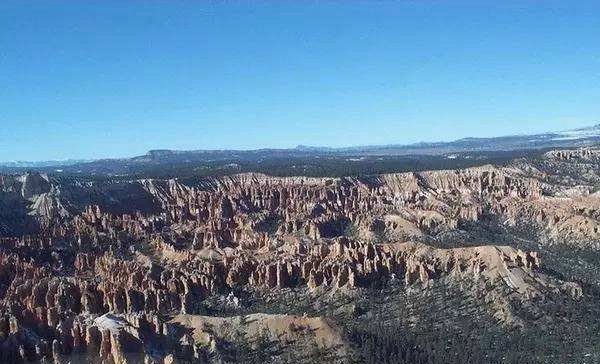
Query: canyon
pixel 149 270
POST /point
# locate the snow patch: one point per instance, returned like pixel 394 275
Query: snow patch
pixel 110 322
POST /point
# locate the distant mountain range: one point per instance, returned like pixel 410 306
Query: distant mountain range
pixel 228 159
pixel 41 164
pixel 562 139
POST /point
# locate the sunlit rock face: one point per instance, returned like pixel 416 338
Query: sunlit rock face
pixel 118 269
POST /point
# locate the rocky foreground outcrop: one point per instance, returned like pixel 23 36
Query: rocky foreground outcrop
pixel 112 306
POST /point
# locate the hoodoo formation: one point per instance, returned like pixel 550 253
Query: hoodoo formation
pixel 299 182
pixel 163 271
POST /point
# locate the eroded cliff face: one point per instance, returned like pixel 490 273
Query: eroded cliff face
pixel 88 279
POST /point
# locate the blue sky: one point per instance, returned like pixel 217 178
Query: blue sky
pixel 117 78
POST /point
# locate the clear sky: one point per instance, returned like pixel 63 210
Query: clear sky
pixel 90 79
